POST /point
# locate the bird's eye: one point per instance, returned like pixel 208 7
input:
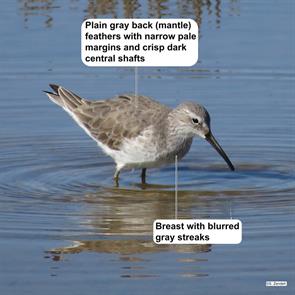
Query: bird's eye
pixel 195 120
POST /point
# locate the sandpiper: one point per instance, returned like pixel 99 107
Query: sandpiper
pixel 137 131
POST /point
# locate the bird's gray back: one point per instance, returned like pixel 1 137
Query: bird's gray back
pixel 124 116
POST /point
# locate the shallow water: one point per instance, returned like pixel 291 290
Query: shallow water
pixel 57 198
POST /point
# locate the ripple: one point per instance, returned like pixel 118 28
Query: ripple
pixel 62 185
pixel 34 167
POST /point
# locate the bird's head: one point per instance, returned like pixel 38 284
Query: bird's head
pixel 193 119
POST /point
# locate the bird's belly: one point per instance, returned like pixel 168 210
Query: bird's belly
pixel 138 154
pixel 138 157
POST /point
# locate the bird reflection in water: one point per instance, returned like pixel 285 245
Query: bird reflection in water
pixel 119 222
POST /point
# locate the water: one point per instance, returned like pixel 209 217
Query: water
pixel 66 230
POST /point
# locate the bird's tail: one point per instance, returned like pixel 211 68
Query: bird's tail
pixel 64 98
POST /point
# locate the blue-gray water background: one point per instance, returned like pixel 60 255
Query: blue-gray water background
pixel 64 229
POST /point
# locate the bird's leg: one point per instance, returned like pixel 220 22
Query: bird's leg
pixel 116 177
pixel 143 176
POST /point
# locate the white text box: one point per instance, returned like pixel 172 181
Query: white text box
pixel 197 231
pixel 139 42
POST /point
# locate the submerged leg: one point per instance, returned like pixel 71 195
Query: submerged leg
pixel 116 177
pixel 143 175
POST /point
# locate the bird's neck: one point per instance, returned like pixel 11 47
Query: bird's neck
pixel 176 141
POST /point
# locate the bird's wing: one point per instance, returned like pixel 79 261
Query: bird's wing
pixel 110 121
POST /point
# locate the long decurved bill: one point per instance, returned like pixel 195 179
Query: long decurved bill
pixel 211 139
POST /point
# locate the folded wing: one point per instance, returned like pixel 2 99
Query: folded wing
pixel 110 121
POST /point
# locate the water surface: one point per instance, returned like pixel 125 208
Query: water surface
pixel 64 227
